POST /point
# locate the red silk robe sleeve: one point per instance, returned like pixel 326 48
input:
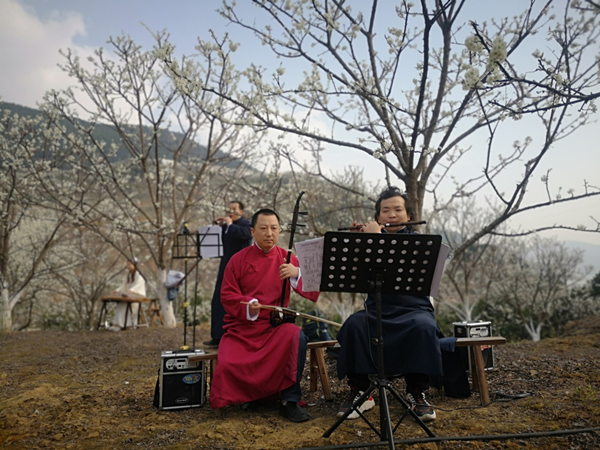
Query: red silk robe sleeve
pixel 231 290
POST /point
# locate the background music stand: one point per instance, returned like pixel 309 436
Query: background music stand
pixel 188 245
pixel 380 264
pixel 210 243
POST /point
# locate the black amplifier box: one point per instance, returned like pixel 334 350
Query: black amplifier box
pixel 182 383
pixel 475 330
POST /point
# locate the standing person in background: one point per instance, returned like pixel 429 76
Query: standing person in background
pixel 134 285
pixel 236 235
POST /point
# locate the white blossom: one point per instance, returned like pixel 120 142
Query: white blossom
pixel 497 53
pixel 471 80
pixel 474 45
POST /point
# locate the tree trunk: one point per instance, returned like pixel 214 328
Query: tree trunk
pixel 534 331
pixel 166 307
pixel 5 313
pixel 415 200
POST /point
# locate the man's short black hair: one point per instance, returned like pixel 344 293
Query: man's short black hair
pixel 241 205
pixel 264 212
pixel 393 191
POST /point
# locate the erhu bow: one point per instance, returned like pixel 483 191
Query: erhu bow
pixel 277 317
pixel 294 313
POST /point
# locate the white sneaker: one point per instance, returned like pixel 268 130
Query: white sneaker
pixel 368 404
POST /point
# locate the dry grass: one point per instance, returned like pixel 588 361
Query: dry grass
pixel 95 390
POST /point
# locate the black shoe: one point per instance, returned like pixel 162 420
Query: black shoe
pixel 352 397
pixel 250 406
pixel 292 412
pixel 420 405
pixel 213 343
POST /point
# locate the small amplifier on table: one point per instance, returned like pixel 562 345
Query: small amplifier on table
pixel 181 383
pixel 475 330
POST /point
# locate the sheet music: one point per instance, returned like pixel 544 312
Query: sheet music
pixel 209 241
pixel 310 255
pixel 439 269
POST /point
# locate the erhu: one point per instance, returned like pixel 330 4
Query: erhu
pixel 277 316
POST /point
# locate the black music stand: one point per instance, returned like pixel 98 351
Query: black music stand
pixel 210 242
pixel 380 263
pixel 194 246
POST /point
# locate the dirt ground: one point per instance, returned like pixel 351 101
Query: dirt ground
pixel 94 390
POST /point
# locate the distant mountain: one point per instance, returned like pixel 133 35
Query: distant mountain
pixel 168 140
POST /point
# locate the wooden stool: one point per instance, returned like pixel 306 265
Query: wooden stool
pixel 154 311
pixel 318 368
pixel 477 366
pixel 211 358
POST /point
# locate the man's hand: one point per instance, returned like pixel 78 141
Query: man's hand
pixel 224 220
pixel 372 227
pixel 254 308
pixel 288 271
pixel 357 227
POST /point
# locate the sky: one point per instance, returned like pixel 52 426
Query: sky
pixel 33 31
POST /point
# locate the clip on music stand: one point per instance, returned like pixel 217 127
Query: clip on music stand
pixel 401 264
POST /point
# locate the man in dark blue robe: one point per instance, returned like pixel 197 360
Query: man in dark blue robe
pixel 410 332
pixel 236 235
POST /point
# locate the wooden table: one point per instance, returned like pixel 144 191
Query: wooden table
pixel 129 300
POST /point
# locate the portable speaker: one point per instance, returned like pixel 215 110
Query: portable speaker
pixel 475 330
pixel 181 384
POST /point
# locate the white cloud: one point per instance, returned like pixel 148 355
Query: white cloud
pixel 30 51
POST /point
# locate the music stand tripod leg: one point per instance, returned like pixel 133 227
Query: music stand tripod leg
pixel 381 383
pixel 385 422
pixel 410 411
pixel 386 433
pixel 354 407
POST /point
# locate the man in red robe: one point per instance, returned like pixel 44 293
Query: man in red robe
pixel 257 360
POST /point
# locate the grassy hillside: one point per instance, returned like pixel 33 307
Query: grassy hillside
pixel 167 140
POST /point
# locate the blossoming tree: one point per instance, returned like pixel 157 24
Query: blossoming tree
pixel 470 82
pixel 141 187
pixel 27 232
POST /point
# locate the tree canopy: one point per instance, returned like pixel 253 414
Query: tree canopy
pixel 470 83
